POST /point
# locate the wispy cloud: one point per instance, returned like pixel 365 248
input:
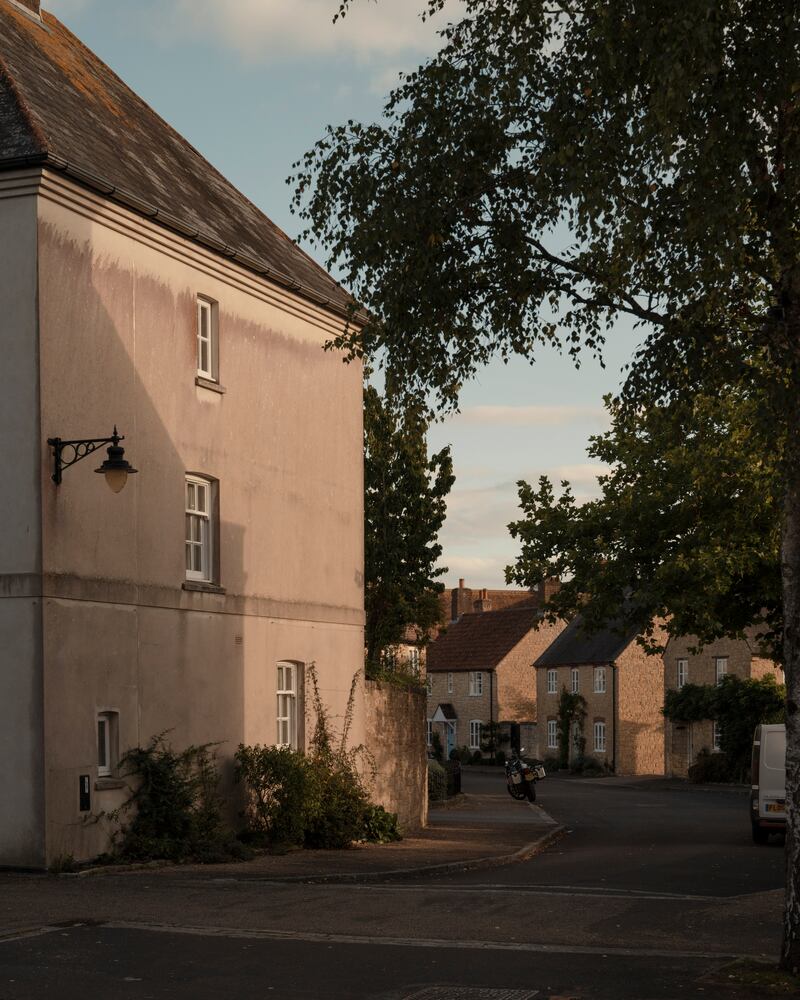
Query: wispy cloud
pixel 529 416
pixel 258 29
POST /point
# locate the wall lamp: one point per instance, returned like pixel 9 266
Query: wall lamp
pixel 116 468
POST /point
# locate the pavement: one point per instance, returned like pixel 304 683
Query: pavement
pixel 473 831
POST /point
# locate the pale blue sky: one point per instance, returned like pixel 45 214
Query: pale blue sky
pixel 252 84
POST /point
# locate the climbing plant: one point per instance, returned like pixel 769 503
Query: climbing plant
pixel 571 712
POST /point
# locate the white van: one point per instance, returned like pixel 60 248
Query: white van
pixel 768 777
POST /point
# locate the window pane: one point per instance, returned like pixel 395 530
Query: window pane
pixel 102 755
pixel 204 356
pixel 280 679
pixel 190 492
pixel 201 499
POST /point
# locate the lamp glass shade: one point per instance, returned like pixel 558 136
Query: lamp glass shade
pixel 116 479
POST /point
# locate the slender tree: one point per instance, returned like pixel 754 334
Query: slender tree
pixel 405 503
pixel 560 163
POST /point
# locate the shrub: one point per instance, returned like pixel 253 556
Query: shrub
pixel 437 781
pixel 500 758
pixel 436 747
pixel 461 754
pixel 380 826
pixel 589 767
pixel 477 758
pixel 551 764
pixel 177 810
pixel 277 784
pixel 714 767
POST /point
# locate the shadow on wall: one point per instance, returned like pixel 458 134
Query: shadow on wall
pixel 121 634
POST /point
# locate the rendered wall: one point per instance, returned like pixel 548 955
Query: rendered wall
pixel 395 736
pixel 122 632
pixel 22 812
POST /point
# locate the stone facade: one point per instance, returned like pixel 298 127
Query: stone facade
pixel 684 741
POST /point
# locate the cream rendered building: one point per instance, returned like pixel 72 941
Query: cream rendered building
pixel 139 288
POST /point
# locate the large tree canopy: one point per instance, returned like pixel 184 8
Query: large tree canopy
pixel 560 163
pixel 405 504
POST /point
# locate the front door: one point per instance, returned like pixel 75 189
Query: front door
pixel 451 737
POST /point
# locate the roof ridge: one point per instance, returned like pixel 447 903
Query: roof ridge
pixel 182 139
pixel 37 134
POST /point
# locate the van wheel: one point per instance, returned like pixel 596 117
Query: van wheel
pixel 760 836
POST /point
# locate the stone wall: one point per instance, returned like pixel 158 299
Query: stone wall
pixel 467 706
pixel 640 722
pixel 516 675
pixel 395 736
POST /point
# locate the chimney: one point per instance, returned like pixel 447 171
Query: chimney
pixel 460 601
pixel 31 5
pixel 484 602
pixel 549 586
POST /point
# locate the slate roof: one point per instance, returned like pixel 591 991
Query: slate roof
pixel 573 646
pixel 479 640
pixel 61 106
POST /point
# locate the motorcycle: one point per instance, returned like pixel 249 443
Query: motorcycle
pixel 521 777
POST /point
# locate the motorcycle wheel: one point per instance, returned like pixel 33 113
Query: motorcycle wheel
pixel 530 791
pixel 516 791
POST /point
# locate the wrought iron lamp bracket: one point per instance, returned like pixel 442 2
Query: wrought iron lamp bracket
pixel 77 450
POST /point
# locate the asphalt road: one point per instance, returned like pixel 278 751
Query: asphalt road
pixel 651 891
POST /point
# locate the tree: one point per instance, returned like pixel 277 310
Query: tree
pixel 405 507
pixel 560 163
pixel 686 530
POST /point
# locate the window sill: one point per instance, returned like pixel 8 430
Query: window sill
pixel 207 383
pixel 203 588
pixel 108 784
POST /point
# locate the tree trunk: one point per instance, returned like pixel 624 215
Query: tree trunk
pixel 790 570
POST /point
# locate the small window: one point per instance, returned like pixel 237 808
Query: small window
pixel 475 682
pixel 413 659
pixel 720 667
pixel 600 681
pixel 475 734
pixel 107 743
pixel 287 705
pixel 429 684
pixel 449 683
pixel 199 529
pixel 207 339
pixel 429 732
pixel 716 743
pixel 599 737
pixel 552 734
pixel 552 681
pixel 575 675
pixel 683 672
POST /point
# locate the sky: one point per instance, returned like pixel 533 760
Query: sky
pixel 252 85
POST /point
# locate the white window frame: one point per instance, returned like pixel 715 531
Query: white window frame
pixel 429 684
pixel 716 744
pixel 286 712
pixel 552 681
pixel 208 337
pixel 575 677
pixel 720 667
pixel 683 672
pixel 428 732
pixel 475 683
pixel 599 733
pixel 413 659
pixel 475 734
pixel 552 734
pixel 600 680
pixel 449 683
pixel 106 733
pixel 203 519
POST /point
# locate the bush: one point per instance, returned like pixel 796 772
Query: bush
pixel 461 754
pixel 477 758
pixel 713 767
pixel 551 764
pixel 277 785
pixel 436 747
pixel 380 826
pixel 452 769
pixel 437 781
pixel 177 810
pixel 589 767
pixel 500 758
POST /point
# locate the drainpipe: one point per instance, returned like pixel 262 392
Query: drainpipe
pixel 614 715
pixel 491 705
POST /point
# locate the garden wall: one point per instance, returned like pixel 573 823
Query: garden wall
pixel 395 735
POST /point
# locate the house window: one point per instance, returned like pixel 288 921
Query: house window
pixel 600 681
pixel 413 659
pixel 429 732
pixel 199 529
pixel 475 734
pixel 107 743
pixel 429 684
pixel 599 737
pixel 449 683
pixel 287 705
pixel 683 672
pixel 552 734
pixel 207 339
pixel 716 743
pixel 576 680
pixel 475 682
pixel 552 681
pixel 720 667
